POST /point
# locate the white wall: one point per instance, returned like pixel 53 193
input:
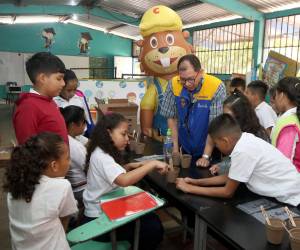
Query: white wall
pixel 12 66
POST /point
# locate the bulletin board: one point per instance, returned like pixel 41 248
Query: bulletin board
pixel 133 90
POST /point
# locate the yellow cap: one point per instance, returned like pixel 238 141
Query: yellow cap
pixel 159 18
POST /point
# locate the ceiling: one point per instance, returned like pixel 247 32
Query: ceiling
pixel 192 12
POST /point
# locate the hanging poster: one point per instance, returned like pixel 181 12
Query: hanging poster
pixel 84 42
pixel 48 34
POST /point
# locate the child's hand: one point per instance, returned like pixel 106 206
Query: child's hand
pixel 182 185
pixel 190 180
pixel 202 162
pixel 161 166
pixel 214 169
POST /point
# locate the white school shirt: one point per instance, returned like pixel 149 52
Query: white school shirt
pixel 36 225
pixel 62 103
pixel 289 112
pixel 266 115
pixel 76 173
pixel 76 101
pixel 103 170
pixel 264 169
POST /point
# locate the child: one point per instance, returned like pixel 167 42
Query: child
pixel 286 133
pixel 238 106
pixel 237 83
pixel 105 173
pixel 256 92
pixel 263 168
pixel 75 122
pixel 36 112
pixel 71 96
pixel 40 200
pixel 272 94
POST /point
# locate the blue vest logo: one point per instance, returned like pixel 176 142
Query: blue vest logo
pixel 182 102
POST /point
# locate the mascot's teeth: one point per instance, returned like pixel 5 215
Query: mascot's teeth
pixel 165 62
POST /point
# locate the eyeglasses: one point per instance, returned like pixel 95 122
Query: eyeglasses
pixel 191 81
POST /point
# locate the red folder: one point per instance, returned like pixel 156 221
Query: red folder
pixel 128 205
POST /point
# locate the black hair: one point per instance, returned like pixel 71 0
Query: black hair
pixel 29 161
pixel 238 82
pixel 291 87
pixel 73 114
pixel 69 75
pixel 245 115
pixel 101 138
pixel 224 125
pixel 43 62
pixel 194 61
pixel 259 87
pixel 272 92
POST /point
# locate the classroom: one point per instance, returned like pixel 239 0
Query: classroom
pixel 150 125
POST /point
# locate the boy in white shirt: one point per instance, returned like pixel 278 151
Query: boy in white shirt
pixel 258 164
pixel 256 92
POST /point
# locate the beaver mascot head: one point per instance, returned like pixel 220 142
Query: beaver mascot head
pixel 163 42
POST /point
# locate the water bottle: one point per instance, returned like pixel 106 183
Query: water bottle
pixel 168 146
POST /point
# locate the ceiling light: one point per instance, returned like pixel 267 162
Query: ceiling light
pixel 36 19
pixel 6 19
pixel 122 35
pixel 87 25
pixel 73 3
pixel 95 27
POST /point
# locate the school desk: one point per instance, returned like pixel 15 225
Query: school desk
pixel 239 229
pixel 5 153
pixel 220 216
pixel 103 225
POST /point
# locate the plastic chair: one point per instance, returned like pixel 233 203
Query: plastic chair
pixel 12 91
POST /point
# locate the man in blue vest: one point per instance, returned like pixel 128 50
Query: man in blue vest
pixel 191 101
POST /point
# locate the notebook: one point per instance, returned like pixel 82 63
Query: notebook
pixel 125 206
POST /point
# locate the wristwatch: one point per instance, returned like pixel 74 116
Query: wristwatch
pixel 205 156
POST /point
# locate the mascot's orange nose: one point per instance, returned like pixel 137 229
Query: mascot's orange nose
pixel 163 50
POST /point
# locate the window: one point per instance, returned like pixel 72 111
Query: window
pixel 123 65
pixel 225 50
pixel 282 35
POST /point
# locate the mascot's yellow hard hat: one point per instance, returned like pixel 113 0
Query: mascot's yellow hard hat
pixel 159 18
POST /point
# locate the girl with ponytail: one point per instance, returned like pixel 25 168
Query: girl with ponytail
pixel 286 133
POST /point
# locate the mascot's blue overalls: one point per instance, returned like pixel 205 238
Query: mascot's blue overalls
pixel 193 113
pixel 159 122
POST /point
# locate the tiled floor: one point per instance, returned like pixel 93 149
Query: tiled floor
pixel 172 238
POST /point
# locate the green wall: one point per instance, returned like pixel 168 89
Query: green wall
pixel 28 38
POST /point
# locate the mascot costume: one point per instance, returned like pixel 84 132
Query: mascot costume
pixel 163 44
